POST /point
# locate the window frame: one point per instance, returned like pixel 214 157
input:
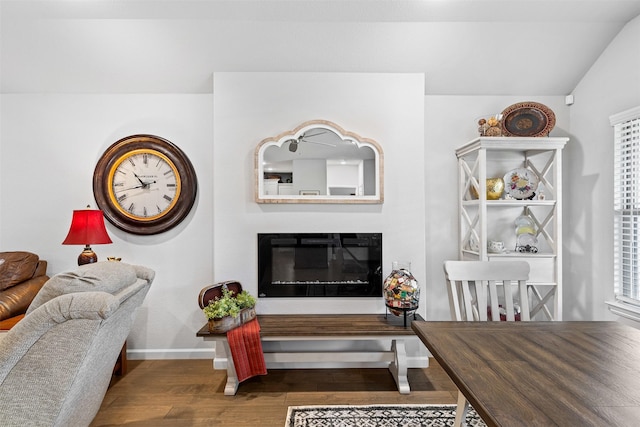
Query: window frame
pixel 626 213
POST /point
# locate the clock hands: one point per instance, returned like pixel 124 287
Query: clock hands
pixel 138 178
pixel 120 190
pixel 127 189
pixel 144 184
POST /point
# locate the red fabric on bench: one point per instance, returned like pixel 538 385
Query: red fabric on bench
pixel 246 350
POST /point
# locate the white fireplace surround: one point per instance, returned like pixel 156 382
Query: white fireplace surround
pixel 388 108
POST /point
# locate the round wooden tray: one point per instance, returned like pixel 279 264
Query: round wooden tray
pixel 528 119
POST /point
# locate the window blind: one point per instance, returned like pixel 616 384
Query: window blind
pixel 627 206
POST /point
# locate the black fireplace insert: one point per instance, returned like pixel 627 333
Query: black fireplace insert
pixel 320 265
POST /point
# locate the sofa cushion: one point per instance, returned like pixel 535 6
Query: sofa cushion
pixel 107 276
pixel 16 267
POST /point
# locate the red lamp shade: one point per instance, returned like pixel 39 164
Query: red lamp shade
pixel 87 228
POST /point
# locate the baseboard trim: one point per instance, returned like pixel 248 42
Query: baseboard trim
pixel 171 354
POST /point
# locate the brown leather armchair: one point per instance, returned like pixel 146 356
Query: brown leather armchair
pixel 22 274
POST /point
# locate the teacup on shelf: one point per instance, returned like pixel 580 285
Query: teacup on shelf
pixel 495 246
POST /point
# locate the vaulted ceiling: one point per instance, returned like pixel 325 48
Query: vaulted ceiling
pixel 483 47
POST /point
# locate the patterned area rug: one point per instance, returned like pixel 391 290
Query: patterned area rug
pixel 377 416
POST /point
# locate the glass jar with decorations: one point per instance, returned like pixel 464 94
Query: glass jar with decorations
pixel 401 290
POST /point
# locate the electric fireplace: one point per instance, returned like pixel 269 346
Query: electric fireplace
pixel 320 265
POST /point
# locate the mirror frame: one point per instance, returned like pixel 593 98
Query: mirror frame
pixel 279 140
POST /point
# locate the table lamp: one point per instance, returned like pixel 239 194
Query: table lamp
pixel 87 228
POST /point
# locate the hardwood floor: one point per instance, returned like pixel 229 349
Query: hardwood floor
pixel 181 393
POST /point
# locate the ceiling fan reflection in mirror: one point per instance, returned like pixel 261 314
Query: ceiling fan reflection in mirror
pixel 293 143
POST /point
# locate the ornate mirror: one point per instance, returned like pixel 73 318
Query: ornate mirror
pixel 318 162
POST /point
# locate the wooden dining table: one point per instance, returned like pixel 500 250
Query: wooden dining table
pixel 541 373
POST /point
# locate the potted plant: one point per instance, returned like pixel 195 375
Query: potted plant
pixel 229 310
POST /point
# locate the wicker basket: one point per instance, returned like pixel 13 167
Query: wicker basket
pixel 219 326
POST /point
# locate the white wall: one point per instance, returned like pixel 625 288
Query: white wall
pixel 50 145
pixel 249 107
pixel 451 121
pixel 218 240
pixel 612 85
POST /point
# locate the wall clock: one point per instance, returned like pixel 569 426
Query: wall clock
pixel 144 184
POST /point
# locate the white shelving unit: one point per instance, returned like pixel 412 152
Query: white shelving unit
pixel 482 220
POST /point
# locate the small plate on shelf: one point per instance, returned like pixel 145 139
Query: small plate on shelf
pixel 520 183
pixel 527 119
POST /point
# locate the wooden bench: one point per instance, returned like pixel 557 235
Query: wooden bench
pixel 309 327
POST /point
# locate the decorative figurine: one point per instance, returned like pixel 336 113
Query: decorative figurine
pixel 490 126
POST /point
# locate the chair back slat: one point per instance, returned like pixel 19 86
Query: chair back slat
pixel 481 295
pixel 493 299
pixel 466 296
pixel 455 306
pixel 525 310
pixel 477 288
pixel 508 301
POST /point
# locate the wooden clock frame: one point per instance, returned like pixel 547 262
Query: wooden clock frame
pixel 166 149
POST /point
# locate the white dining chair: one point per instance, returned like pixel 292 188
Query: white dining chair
pixel 484 291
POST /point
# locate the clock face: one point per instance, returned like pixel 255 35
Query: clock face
pixel 144 184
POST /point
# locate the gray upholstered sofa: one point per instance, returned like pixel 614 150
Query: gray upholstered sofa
pixel 57 362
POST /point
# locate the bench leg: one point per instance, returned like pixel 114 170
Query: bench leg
pixel 231 387
pixel 398 367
